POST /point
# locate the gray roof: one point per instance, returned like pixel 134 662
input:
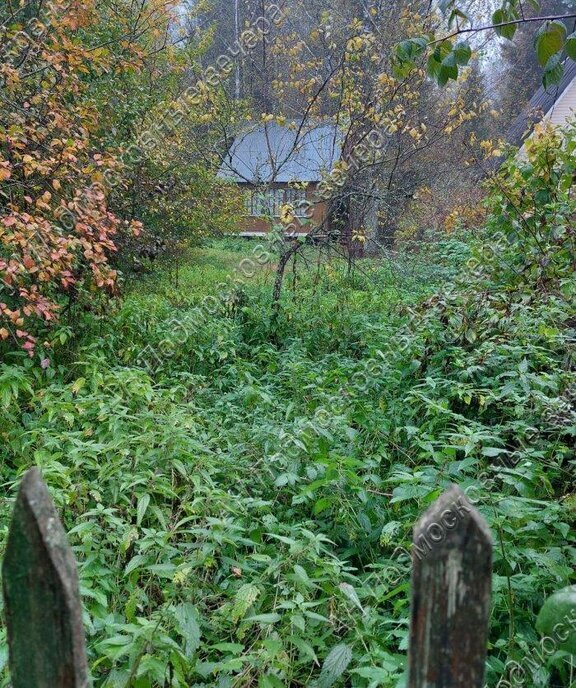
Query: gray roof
pixel 274 153
pixel 539 106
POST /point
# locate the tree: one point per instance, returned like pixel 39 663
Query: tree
pixel 57 233
pixel 91 150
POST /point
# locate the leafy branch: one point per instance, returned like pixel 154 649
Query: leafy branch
pixel 446 55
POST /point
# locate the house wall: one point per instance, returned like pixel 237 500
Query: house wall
pixel 260 225
pixel 563 110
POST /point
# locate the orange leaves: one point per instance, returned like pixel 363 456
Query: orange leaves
pixel 29 264
pixel 57 233
pixel 9 221
pixel 43 202
pixel 135 228
pixel 5 171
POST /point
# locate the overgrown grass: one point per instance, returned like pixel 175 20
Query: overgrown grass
pixel 242 509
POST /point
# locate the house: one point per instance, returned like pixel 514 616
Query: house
pixel 280 165
pixel 554 105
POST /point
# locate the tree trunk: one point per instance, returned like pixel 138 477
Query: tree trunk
pixel 279 280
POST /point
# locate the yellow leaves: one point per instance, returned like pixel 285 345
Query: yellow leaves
pixel 78 385
pixel 5 174
pixel 180 577
pixel 56 185
pixel 44 200
pixel 355 44
pixel 11 77
pixel 490 149
pixel 267 117
pixel 386 81
pixel 287 214
pixel 97 178
pixel 28 165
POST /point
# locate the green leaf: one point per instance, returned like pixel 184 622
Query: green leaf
pixel 186 617
pixel 410 49
pixel 334 665
pixel 245 598
pixel 447 72
pixel 493 451
pixel 406 53
pixel 376 674
pixel 462 53
pixel 323 504
pixel 554 71
pixel 352 595
pixel 503 16
pixel 570 46
pixel 434 67
pixel 304 647
pixel 143 502
pixel 557 619
pixel 264 618
pixel 457 14
pixel 442 64
pixel 550 40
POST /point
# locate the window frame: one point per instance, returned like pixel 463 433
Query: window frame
pixel 265 203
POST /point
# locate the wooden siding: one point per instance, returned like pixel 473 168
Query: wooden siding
pixel 564 108
pixel 261 225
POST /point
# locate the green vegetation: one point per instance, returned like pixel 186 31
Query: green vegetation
pixel 242 511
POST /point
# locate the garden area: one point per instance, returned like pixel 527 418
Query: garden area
pixel 242 393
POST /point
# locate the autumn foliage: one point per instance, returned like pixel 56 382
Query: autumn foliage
pixel 57 233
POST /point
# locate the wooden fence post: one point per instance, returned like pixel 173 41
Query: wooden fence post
pixel 40 582
pixel 451 595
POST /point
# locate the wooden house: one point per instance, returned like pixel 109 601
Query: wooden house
pixel 554 105
pixel 282 166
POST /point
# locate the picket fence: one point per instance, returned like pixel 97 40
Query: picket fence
pixel 451 595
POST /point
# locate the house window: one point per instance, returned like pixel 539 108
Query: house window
pixel 297 199
pixel 268 202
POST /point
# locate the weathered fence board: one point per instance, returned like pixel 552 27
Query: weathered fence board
pixel 451 592
pixel 40 581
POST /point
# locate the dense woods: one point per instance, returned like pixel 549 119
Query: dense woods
pixel 239 433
